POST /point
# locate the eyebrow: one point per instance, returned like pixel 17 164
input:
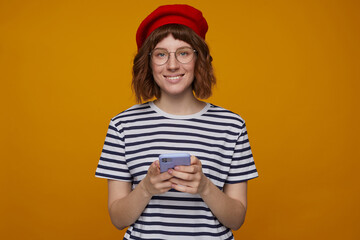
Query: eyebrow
pixel 175 50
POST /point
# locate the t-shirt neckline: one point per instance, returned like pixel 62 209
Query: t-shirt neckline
pixel 168 115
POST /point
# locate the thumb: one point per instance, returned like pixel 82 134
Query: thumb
pixel 157 163
pixel 154 169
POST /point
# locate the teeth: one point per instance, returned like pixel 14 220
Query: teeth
pixel 174 78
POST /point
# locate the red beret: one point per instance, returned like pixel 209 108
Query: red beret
pixel 172 14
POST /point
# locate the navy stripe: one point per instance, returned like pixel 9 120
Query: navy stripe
pixel 243 165
pixel 242 150
pixel 242 157
pixel 242 173
pixel 109 135
pixel 215 169
pixel 213 177
pixel 169 125
pixel 215 123
pixel 212 218
pixel 114 145
pixel 110 160
pixel 242 142
pixel 223 117
pixel 183 149
pixel 230 238
pixel 135 183
pixel 149 156
pixel 138 108
pixel 243 134
pixel 112 168
pixel 188 134
pixel 142 119
pixel 142 238
pixel 113 128
pixel 142 113
pixel 217 109
pixel 216 234
pixel 138 173
pixel 163 140
pixel 222 162
pixel 224 124
pixel 139 165
pixel 177 224
pixel 139 120
pixel 196 208
pixel 128 179
pixel 240 181
pixel 113 153
pixel 156 156
pixel 160 197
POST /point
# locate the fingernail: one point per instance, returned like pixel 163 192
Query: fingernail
pixel 176 168
pixel 170 171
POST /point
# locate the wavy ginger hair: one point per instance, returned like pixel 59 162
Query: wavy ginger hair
pixel 143 82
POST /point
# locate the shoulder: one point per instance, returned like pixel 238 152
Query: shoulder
pixel 225 114
pixel 135 110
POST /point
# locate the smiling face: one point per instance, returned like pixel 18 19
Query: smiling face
pixel 174 78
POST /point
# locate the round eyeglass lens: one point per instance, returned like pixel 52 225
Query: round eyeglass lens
pixel 184 55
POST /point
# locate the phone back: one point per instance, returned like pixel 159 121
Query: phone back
pixel 170 160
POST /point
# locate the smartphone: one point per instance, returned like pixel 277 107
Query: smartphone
pixel 170 160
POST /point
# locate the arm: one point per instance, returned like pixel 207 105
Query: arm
pixel 228 206
pixel 125 206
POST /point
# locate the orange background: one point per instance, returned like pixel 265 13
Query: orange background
pixel 289 68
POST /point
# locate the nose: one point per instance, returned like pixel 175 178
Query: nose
pixel 172 63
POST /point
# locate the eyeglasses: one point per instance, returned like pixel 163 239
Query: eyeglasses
pixel 160 56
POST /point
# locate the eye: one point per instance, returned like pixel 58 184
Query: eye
pixel 160 54
pixel 184 52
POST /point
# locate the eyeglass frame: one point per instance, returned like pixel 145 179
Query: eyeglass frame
pixel 150 54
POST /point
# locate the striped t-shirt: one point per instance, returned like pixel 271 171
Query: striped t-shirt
pixel 216 136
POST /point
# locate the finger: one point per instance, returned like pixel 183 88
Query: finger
pixel 156 162
pixel 163 185
pixel 194 160
pixel 178 181
pixel 164 190
pixel 153 169
pixel 182 188
pixel 164 176
pixel 191 184
pixel 182 175
pixel 188 169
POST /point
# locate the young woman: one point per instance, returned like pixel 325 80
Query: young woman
pixel 205 200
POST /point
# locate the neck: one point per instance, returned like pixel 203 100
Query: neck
pixel 179 105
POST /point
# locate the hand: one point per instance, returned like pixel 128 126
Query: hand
pixel 155 182
pixel 190 179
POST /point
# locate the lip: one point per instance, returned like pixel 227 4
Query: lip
pixel 174 78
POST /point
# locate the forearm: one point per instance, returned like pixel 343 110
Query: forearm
pixel 125 211
pixel 230 212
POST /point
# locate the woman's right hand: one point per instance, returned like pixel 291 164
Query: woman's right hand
pixel 126 205
pixel 155 182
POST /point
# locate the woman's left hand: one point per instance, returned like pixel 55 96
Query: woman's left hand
pixel 190 179
pixel 229 205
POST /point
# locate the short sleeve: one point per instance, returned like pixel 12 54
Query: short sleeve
pixel 242 164
pixel 112 163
